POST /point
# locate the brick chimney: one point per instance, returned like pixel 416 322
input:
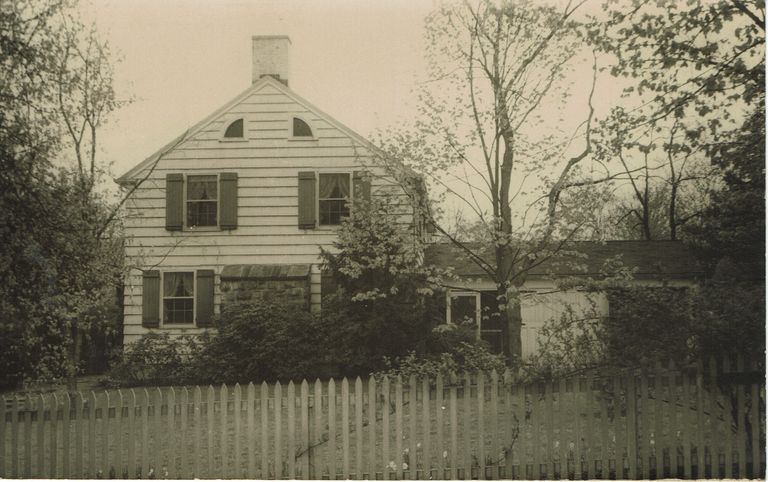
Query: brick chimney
pixel 271 56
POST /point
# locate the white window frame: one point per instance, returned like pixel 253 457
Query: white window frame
pixel 162 299
pixel 478 309
pixel 317 195
pixel 291 137
pixel 187 227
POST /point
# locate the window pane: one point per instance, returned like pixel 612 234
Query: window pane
pixel 301 128
pixel 202 188
pixel 178 311
pixel 332 212
pixel 493 338
pixel 235 129
pixel 178 284
pixel 463 308
pixel 334 186
pixel 201 213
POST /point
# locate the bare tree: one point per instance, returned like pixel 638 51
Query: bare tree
pixel 497 70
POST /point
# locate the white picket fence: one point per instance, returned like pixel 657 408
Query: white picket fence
pixel 697 422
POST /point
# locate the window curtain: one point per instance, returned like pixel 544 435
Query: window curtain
pixel 177 284
pixel 334 186
pixel 202 188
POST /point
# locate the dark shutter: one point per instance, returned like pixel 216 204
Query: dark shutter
pixel 361 185
pixel 204 298
pixel 307 200
pixel 174 202
pixel 150 299
pixel 228 198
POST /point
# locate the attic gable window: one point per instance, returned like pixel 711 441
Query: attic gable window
pixel 301 128
pixel 234 130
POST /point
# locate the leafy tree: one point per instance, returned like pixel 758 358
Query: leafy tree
pixel 61 259
pixel 386 299
pixel 496 74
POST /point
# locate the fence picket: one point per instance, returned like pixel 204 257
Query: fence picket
pixel 605 462
pixel 236 413
pixel 144 447
pixel 426 423
pixel 411 459
pixel 741 432
pixel 28 436
pixel 385 428
pixel 700 441
pixel 714 450
pixel 549 396
pixel 644 447
pixel 40 439
pixel 304 430
pixel 278 406
pixel 263 447
pixel 92 403
pixel 184 419
pixel 522 452
pixel 197 433
pixel 210 419
pixel 399 427
pixel 454 424
pixel 358 428
pixel 105 465
pixel 727 422
pixel 467 427
pixel 290 401
pixel 223 439
pixel 15 438
pixel 317 438
pixel 535 433
pixel 481 425
pixel 65 432
pixel 632 426
pixel 250 396
pixel 130 440
pixel 331 451
pixel 157 435
pixel 509 432
pixel 686 425
pixel 756 423
pixel 439 409
pixel 495 455
pixel 345 428
pixel 171 440
pixel 658 419
pixel 3 410
pixel 372 428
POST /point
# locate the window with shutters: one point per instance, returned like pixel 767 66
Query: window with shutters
pixel 202 201
pixel 333 197
pixel 178 298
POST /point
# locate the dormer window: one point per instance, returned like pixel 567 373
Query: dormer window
pixel 301 128
pixel 235 130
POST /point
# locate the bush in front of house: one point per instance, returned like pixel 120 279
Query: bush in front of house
pixel 462 358
pixel 263 341
pixel 155 359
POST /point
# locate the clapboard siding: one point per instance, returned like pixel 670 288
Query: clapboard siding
pixel 267 162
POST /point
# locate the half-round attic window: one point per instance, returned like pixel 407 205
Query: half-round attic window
pixel 235 130
pixel 301 128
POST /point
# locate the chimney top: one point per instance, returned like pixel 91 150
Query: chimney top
pixel 271 56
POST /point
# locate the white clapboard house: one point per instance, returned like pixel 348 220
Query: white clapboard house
pixel 238 206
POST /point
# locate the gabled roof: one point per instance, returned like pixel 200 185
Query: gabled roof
pixel 255 87
pixel 651 259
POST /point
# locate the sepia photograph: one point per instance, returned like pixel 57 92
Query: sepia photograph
pixel 382 240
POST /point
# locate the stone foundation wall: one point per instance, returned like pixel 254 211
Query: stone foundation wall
pixel 285 284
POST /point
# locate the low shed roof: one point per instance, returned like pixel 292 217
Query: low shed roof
pixel 650 259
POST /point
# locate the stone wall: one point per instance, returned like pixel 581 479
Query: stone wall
pixel 287 284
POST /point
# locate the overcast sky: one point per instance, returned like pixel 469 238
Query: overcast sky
pixel 181 60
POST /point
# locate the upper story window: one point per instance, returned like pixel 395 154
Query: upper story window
pixel 333 197
pixel 178 298
pixel 234 130
pixel 301 128
pixel 202 201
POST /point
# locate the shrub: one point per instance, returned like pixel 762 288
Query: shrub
pixel 155 359
pixel 466 357
pixel 258 341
